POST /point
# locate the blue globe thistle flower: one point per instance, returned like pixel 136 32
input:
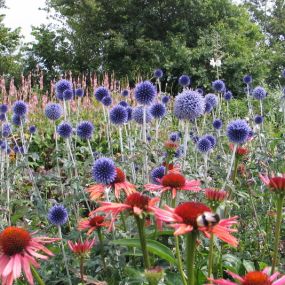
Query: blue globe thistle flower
pixel 104 171
pixel 4 145
pixel 204 145
pixel 20 108
pixel 157 173
pixel 179 152
pixel 130 112
pixel 247 79
pixel 67 94
pixel 2 117
pixel 3 108
pixel 145 93
pixel 148 138
pixel 8 150
pixel 57 215
pixel 195 139
pixel 158 73
pixel 100 93
pixel 64 129
pixel 53 111
pixel 107 101
pixel 165 99
pixel 85 130
pixel 212 99
pixel 184 80
pixel 124 104
pixel 200 91
pixel 258 119
pixel 217 124
pixel 212 139
pixel 228 95
pixel 137 115
pixel 237 131
pixel 118 115
pixel 21 149
pixel 16 120
pixel 174 137
pixel 61 86
pixel 208 107
pixel 259 93
pixel 125 93
pixel 6 130
pixel 219 85
pixel 32 129
pixel 189 105
pixel 79 92
pixel 16 149
pixel 157 110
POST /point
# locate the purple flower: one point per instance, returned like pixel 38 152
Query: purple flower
pixel 219 85
pixel 157 110
pixel 238 131
pixel 184 80
pixel 100 93
pixel 158 73
pixel 61 86
pixel 145 93
pixel 118 115
pixel 57 215
pixel 85 130
pixel 20 108
pixel 104 171
pixel 137 115
pixel 259 93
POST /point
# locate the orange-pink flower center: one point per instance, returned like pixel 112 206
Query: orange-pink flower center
pixel 173 180
pixel 138 200
pixel 190 211
pixel 14 240
pixel 96 221
pixel 256 278
pixel 120 176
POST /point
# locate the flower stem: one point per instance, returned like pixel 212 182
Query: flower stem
pixel 37 276
pixel 190 256
pixel 82 270
pixel 211 255
pixel 179 260
pixel 100 236
pixel 140 223
pixel 279 205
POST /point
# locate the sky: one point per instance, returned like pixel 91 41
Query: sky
pixel 24 14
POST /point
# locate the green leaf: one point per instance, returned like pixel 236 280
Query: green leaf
pixel 248 265
pixel 153 247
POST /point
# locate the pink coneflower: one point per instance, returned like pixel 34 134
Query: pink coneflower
pixel 135 203
pixel 18 250
pixel 275 184
pixel 252 278
pixel 174 181
pixel 240 151
pixel 120 183
pixel 215 195
pixel 191 216
pixel 93 223
pixel 81 248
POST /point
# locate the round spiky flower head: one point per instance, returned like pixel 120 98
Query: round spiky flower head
pixel 20 108
pixel 125 93
pixel 165 99
pixel 219 85
pixel 238 131
pixel 104 170
pixel 217 124
pixel 6 130
pixel 32 129
pixel 189 105
pixel 85 130
pixel 3 108
pixel 64 129
pixel 67 94
pixel 200 91
pixel 2 117
pixel 258 119
pixel 174 136
pixel 145 93
pixel 137 115
pixel 184 80
pixel 204 145
pixel 212 99
pixel 228 95
pixel 215 195
pixel 130 113
pixel 259 93
pixel 212 139
pixel 123 103
pixel 247 79
pixel 61 86
pixel 107 101
pixel 17 120
pixel 118 115
pixel 157 110
pixel 79 92
pixel 158 73
pixel 157 173
pixel 57 215
pixel 53 111
pixel 208 107
pixel 100 93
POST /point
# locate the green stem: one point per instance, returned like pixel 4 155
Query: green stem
pixel 37 276
pixel 100 236
pixel 190 256
pixel 279 205
pixel 179 260
pixel 211 255
pixel 235 170
pixel 82 269
pixel 140 223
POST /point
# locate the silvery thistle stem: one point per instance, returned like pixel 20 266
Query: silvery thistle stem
pixel 185 142
pixel 206 169
pixel 145 142
pixel 7 184
pixel 121 142
pixel 90 149
pixel 231 166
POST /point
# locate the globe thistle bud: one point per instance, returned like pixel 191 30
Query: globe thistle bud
pixel 184 80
